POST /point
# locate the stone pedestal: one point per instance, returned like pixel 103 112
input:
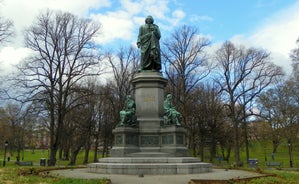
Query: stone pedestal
pixel 125 141
pixel 150 136
pixel 150 147
pixel 173 141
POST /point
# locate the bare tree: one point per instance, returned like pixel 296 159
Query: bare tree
pixel 80 122
pixel 295 58
pixel 6 29
pixel 63 54
pixel 279 108
pixel 242 75
pixel 208 114
pixel 185 64
pixel 124 65
pixel 6 32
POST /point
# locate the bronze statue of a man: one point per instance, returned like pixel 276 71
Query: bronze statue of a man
pixel 127 115
pixel 171 115
pixel 148 42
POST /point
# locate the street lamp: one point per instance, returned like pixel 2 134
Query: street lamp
pixel 5 148
pixel 290 154
pixel 23 153
pixel 265 154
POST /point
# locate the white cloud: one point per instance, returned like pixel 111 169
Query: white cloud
pixel 179 14
pixel 132 7
pixel 156 8
pixel 10 56
pixel 23 12
pixel 198 18
pixel 278 34
pixel 116 25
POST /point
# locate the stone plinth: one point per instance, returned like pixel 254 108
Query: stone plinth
pixel 173 141
pixel 125 141
pixel 149 98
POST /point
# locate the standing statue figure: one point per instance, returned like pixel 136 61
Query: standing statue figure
pixel 171 115
pixel 127 115
pixel 148 42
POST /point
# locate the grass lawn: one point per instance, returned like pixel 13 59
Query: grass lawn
pixel 282 177
pixel 262 152
pixel 37 175
pixel 35 157
pixel 14 174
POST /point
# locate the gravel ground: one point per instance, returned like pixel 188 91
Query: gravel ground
pixel 216 174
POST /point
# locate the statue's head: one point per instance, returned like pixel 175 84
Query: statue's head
pixel 169 96
pixel 149 20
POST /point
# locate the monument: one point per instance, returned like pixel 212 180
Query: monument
pixel 149 138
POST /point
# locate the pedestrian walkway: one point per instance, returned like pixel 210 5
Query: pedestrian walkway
pixel 216 174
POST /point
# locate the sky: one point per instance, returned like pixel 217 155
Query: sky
pixel 272 25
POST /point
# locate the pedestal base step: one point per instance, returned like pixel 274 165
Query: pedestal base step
pixel 150 165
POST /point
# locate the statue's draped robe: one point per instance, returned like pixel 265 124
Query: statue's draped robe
pixel 148 38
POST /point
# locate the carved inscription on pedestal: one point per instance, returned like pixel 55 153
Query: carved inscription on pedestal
pixel 149 140
pixel 167 139
pixel 131 139
pixel 118 139
pixel 149 99
pixel 180 139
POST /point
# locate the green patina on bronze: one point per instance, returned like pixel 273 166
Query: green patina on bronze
pixel 148 42
pixel 171 115
pixel 127 115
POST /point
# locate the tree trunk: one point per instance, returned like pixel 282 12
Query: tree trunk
pixel 104 148
pixel 202 149
pixel 87 148
pixel 275 145
pixel 66 154
pixel 212 150
pixel 74 155
pixel 236 144
pixel 96 145
pixel 60 152
pixel 52 159
pixel 193 145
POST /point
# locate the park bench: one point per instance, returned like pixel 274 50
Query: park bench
pixel 276 164
pixel 24 163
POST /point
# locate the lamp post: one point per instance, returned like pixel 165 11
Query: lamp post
pixel 23 153
pixel 265 154
pixel 290 154
pixel 5 148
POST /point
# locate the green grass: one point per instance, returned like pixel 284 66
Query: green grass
pixel 35 157
pixel 262 152
pixel 282 177
pixel 37 175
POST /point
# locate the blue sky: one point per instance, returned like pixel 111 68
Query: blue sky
pixel 268 24
pixel 231 17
